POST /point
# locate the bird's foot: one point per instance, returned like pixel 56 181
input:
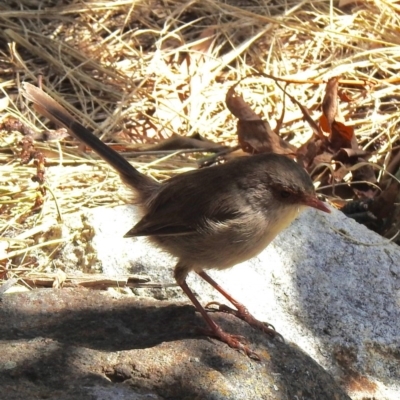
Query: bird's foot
pixel 235 341
pixel 244 314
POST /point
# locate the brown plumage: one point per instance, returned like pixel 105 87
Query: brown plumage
pixel 209 218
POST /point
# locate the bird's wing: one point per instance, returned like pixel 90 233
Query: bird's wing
pixel 182 206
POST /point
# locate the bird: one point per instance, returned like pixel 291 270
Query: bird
pixel 210 218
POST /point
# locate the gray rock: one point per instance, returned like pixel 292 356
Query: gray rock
pixel 327 284
pixel 77 344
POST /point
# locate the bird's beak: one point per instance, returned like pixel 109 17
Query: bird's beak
pixel 313 201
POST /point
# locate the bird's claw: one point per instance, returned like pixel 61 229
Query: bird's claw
pixel 244 315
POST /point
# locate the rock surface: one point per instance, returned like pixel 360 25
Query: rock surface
pixel 80 344
pixel 327 284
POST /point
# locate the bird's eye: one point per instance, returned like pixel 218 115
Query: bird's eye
pixel 284 194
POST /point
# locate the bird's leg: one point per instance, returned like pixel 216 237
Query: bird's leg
pixel 241 311
pixel 215 330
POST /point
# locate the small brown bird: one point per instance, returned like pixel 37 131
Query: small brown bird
pixel 208 218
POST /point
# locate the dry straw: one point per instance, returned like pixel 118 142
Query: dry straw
pixel 139 71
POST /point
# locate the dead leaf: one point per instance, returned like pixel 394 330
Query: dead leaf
pixel 386 206
pixel 343 96
pixel 349 155
pixel 330 101
pixel 364 174
pixel 238 107
pixel 308 151
pixel 341 136
pixel 324 125
pixel 254 134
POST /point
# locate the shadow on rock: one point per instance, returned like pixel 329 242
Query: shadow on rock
pixel 81 344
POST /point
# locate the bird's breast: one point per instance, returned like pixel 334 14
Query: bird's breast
pixel 224 245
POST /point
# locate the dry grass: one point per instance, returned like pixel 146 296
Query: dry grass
pixel 139 71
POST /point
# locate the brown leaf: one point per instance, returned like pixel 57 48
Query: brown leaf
pixel 394 165
pixel 324 157
pixel 308 151
pixel 343 96
pixel 383 205
pixel 238 107
pixel 349 155
pixel 258 137
pixel 364 174
pixel 330 102
pixel 341 136
pixel 324 125
pixel 339 173
pixel 254 134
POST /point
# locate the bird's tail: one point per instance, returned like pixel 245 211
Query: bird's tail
pixel 48 107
